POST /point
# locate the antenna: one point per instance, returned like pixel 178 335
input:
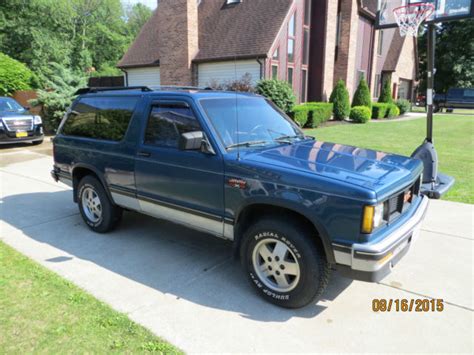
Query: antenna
pixel 236 109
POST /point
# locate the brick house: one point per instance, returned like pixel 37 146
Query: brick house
pixel 309 43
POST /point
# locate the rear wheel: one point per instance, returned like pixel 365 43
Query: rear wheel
pixel 284 263
pixel 99 213
pixel 37 142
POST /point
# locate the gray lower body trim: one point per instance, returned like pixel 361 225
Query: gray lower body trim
pixel 214 226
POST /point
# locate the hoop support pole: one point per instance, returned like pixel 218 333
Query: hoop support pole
pixel 430 82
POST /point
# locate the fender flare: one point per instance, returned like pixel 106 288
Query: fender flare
pixel 96 172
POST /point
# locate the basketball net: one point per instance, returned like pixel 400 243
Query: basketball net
pixel 410 17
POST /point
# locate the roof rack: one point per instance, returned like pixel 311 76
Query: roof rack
pixel 142 88
pixel 113 88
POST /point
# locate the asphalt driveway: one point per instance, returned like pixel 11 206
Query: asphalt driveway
pixel 185 286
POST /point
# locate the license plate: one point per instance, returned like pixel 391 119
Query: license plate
pixel 21 134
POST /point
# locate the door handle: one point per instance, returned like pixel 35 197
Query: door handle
pixel 144 154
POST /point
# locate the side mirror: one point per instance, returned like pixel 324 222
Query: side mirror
pixel 195 141
pixel 26 107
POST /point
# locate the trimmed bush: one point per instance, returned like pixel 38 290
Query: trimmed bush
pixel 392 111
pixel 278 91
pixel 362 95
pixel 15 76
pixel 300 114
pixel 340 99
pixel 360 114
pixel 403 105
pixel 319 112
pixel 379 110
pixel 386 93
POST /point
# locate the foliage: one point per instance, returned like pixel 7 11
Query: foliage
pixel 78 34
pixel 319 112
pixel 340 99
pixel 386 93
pixel 360 114
pixel 14 76
pixel 403 105
pixel 42 312
pixel 454 59
pixel 58 95
pixel 455 145
pixel 107 70
pixel 393 111
pixel 279 92
pixel 362 95
pixel 379 110
pixel 300 114
pixel 244 84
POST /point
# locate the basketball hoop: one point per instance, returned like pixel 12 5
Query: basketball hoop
pixel 410 17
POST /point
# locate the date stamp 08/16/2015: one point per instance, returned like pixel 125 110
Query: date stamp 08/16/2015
pixel 407 305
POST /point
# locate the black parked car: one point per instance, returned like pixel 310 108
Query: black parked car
pixel 455 98
pixel 17 124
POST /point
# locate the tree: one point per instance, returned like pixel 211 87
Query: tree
pixel 279 92
pixel 340 99
pixel 14 76
pixel 454 61
pixel 137 16
pixel 386 93
pixel 362 95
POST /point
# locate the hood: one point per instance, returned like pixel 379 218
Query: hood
pixel 379 171
pixel 10 114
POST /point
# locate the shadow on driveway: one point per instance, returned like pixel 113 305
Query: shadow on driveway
pixel 166 257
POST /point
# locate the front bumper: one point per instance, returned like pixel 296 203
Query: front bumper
pixel 373 261
pixel 9 137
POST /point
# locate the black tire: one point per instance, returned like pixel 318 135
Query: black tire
pixel 37 142
pixel 436 108
pixel 110 215
pixel 302 248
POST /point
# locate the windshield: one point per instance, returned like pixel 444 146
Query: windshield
pixel 9 105
pixel 259 122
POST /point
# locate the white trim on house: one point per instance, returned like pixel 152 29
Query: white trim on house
pixel 226 71
pixel 143 76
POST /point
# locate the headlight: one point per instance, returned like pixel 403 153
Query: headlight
pixel 372 218
pixel 37 120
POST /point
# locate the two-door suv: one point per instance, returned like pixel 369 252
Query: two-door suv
pixel 234 166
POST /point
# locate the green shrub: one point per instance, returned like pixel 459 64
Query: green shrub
pixel 386 93
pixel 279 92
pixel 403 105
pixel 15 76
pixel 360 114
pixel 362 95
pixel 392 111
pixel 379 110
pixel 319 112
pixel 300 114
pixel 340 99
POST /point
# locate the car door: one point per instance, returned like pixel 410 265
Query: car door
pixel 185 186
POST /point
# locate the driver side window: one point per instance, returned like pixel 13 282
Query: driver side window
pixel 166 123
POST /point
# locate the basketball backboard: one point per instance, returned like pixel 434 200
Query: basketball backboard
pixel 445 10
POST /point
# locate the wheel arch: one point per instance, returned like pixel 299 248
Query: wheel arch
pixel 253 211
pixel 79 171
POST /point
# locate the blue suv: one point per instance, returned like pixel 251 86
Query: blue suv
pixel 234 166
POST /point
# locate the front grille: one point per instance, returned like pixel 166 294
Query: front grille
pixel 18 124
pixel 400 202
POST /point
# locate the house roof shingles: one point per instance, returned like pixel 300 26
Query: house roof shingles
pixel 243 30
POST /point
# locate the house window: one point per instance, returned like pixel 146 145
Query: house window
pixel 290 76
pixel 306 46
pixel 304 81
pixel 291 38
pixel 274 71
pixel 291 50
pixel 307 12
pixel 377 85
pixel 292 26
pixel 276 54
pixel 380 43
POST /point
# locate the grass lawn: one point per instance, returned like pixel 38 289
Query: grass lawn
pixel 42 313
pixel 454 141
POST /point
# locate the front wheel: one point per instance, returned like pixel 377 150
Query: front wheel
pixel 99 213
pixel 284 263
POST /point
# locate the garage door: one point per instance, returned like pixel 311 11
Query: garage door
pixel 222 72
pixel 144 76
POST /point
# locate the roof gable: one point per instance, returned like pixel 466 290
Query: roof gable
pixel 247 29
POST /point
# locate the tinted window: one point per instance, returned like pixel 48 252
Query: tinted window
pixel 100 118
pixel 469 93
pixel 455 93
pixel 167 122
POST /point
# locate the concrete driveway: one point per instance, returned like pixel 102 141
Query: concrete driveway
pixel 185 287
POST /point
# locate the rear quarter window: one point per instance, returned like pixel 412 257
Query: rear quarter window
pixel 104 118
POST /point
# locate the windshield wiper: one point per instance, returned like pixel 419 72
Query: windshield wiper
pixel 247 144
pixel 288 139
